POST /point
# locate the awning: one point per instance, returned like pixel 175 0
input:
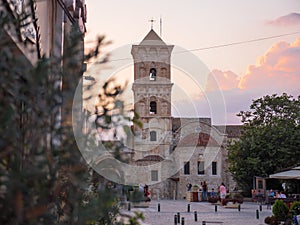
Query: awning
pixel 291 174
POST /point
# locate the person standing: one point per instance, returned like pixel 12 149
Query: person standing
pixel 222 192
pixel 147 193
pixel 204 191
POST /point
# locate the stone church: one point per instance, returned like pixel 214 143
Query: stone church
pixel 170 152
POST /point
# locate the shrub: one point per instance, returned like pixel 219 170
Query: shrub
pixel 136 196
pixel 238 198
pixel 295 208
pixel 271 220
pixel 213 199
pixel 234 198
pixel 280 210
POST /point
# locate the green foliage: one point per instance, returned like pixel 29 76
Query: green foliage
pixel 280 210
pixel 295 208
pixel 99 208
pixel 234 198
pixel 135 220
pixel 238 197
pixel 44 179
pixel 270 139
pixel 136 195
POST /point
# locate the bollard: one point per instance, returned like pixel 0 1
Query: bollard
pixel 257 214
pixel 195 216
pixel 175 219
pixel 178 217
pixel 129 206
pixel 216 208
pixel 182 220
pixel 260 207
pixel 239 207
pixel 188 208
pixel 203 222
pixel 158 207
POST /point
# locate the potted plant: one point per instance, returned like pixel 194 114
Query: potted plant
pixel 271 220
pixel 213 200
pixel 195 188
pixel 280 210
pixel 237 197
pixel 234 198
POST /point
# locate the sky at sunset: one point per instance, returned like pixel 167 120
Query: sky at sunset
pixel 239 72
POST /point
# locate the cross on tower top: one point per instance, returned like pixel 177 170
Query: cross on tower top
pixel 152 21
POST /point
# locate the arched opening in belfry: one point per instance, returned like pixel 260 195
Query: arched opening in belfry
pixel 152 74
pixel 153 107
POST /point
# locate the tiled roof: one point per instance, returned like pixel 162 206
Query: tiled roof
pixel 200 139
pixel 155 158
pixel 232 131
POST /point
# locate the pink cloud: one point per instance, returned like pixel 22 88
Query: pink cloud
pixel 290 19
pixel 226 80
pixel 278 69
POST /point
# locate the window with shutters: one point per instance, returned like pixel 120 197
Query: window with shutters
pixel 154 175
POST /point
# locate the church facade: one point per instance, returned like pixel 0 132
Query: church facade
pixel 170 152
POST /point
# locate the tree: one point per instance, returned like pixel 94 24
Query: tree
pixel 269 141
pixel 44 179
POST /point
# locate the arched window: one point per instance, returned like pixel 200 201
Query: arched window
pixel 153 107
pixel 152 75
pixel 153 136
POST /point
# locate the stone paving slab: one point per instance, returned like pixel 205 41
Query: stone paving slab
pixel 205 212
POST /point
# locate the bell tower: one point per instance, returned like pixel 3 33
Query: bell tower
pixel 152 96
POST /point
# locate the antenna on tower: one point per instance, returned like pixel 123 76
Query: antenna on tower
pixel 160 26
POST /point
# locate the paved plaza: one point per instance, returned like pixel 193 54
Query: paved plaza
pixel 205 212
